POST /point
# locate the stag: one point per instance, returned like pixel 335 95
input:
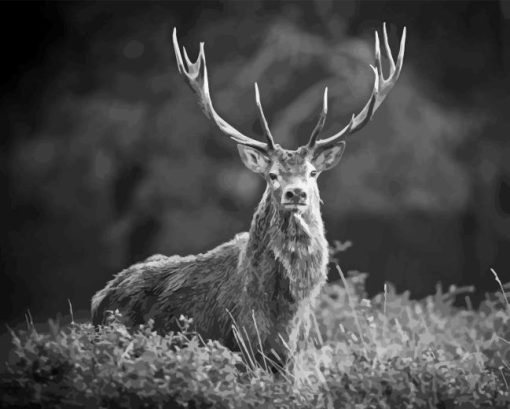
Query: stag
pixel 265 280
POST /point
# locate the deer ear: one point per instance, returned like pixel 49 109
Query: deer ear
pixel 329 157
pixel 254 160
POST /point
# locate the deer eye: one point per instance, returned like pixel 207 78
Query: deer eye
pixel 313 173
pixel 273 176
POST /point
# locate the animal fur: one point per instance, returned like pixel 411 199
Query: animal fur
pixel 271 274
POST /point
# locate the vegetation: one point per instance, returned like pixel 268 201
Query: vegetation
pixel 387 352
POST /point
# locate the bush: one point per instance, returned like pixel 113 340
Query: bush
pixel 387 352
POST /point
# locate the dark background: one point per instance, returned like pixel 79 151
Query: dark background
pixel 106 157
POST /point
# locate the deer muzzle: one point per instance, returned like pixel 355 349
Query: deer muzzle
pixel 294 198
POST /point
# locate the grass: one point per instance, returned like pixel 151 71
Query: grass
pixel 385 352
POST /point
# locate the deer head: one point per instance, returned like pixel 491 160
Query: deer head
pixel 291 175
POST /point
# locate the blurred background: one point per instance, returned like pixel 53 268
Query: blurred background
pixel 106 158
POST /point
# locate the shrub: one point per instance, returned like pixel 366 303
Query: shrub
pixel 387 352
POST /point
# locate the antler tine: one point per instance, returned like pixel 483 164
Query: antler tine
pixel 387 46
pixel 263 121
pixel 381 88
pixel 195 75
pixel 320 123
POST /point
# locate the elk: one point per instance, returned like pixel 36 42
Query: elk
pixel 265 280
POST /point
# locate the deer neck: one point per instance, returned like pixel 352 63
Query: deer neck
pixel 288 244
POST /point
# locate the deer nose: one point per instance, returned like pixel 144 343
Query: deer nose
pixel 295 194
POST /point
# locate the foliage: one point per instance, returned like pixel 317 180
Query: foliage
pixel 387 352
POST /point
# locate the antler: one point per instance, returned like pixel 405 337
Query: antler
pixel 381 89
pixel 195 75
pixel 322 119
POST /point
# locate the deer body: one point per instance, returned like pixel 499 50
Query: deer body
pixel 265 280
pixel 265 275
pixel 163 288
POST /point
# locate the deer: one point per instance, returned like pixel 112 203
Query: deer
pixel 266 280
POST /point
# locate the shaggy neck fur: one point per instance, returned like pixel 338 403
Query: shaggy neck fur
pixel 289 244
